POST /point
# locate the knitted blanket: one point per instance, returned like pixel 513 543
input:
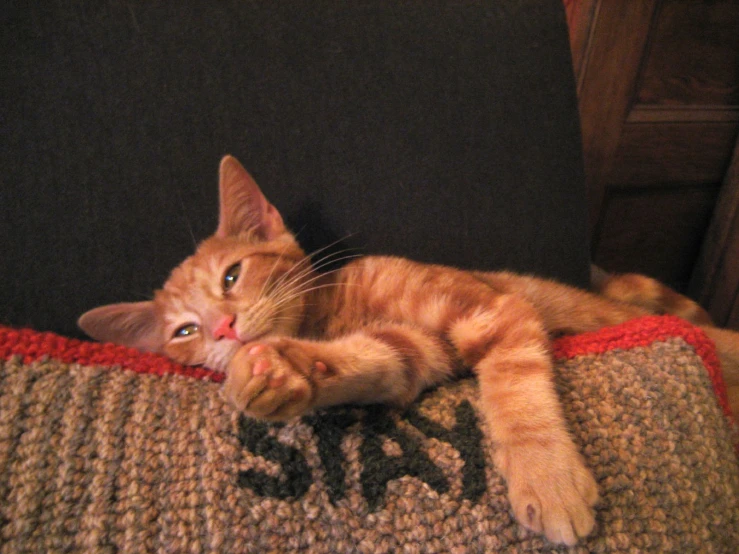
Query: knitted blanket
pixel 104 449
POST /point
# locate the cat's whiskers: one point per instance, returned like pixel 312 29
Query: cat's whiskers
pixel 313 265
pixel 280 289
pixel 287 284
pixel 265 299
pixel 277 295
pixel 293 274
pixel 296 282
pixel 285 317
pixel 302 292
pixel 305 260
pixel 272 271
pixel 310 275
pixel 293 322
pixel 271 307
pixel 326 261
pixel 324 248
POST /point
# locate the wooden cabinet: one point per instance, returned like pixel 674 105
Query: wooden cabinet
pixel 715 282
pixel 658 86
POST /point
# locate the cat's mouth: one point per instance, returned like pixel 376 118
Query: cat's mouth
pixel 254 338
pixel 243 338
pixel 220 356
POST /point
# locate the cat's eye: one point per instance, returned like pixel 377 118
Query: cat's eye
pixel 231 276
pixel 186 330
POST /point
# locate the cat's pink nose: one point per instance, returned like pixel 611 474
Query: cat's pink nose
pixel 225 328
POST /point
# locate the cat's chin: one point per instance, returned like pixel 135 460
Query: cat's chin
pixel 219 356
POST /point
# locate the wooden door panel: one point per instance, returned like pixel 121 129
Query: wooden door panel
pixel 665 249
pixel 693 58
pixel 715 280
pixel 617 37
pixel 658 87
pixel 665 152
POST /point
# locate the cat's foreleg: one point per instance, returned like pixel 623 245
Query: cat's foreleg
pixel 550 489
pixel 283 377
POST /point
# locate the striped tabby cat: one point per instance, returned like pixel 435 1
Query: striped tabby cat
pixel 292 339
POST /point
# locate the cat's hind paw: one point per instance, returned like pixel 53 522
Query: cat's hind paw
pixel 552 493
pixel 264 384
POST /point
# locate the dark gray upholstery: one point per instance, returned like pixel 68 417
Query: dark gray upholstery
pixel 443 131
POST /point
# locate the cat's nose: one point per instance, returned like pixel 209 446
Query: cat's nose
pixel 225 328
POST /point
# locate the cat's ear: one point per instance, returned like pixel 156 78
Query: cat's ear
pixel 243 207
pixel 132 324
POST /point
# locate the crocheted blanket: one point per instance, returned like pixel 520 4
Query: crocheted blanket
pixel 105 449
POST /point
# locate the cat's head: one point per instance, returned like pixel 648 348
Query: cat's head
pixel 243 283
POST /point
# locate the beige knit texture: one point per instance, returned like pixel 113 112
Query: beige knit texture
pixel 104 460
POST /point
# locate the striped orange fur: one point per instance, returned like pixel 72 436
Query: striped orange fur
pixel 652 295
pixel 291 339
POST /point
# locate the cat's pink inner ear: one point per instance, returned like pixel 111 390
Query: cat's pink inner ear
pixel 243 207
pixel 133 324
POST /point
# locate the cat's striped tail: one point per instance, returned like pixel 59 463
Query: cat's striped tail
pixel 645 292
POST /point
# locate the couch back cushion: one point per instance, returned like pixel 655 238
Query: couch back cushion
pixel 442 131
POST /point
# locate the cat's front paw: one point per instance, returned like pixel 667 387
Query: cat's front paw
pixel 551 491
pixel 264 383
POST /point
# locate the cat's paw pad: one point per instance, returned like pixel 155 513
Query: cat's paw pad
pixel 265 384
pixel 553 495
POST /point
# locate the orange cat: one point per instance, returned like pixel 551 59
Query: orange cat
pixel 290 339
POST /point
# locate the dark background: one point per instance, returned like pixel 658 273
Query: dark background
pixel 443 131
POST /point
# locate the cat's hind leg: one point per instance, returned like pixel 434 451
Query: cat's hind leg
pixel 550 489
pixel 562 308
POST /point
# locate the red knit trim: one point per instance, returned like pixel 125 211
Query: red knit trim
pixel 643 332
pixel 33 345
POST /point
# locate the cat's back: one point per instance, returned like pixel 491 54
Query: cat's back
pixel 386 288
pixel 396 277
